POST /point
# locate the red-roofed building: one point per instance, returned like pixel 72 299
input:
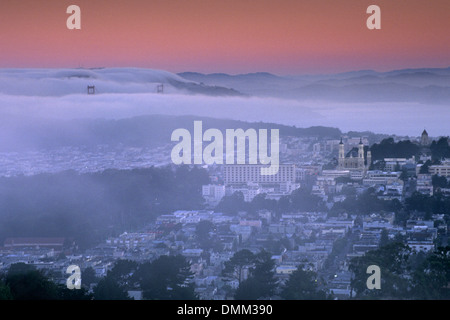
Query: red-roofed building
pixel 55 243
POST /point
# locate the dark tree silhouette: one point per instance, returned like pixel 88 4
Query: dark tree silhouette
pixel 261 282
pixel 166 278
pixel 393 262
pixel 234 267
pixel 302 285
pixel 108 289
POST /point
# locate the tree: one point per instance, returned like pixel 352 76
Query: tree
pixel 440 149
pixel 264 272
pixel 302 285
pixel 393 262
pixel 303 200
pixel 394 205
pixel 88 277
pixel 232 204
pixel 74 294
pixel 20 268
pixel 166 278
pixel 122 270
pixel 108 289
pixel 261 281
pixel 5 292
pixel 418 202
pixel 249 289
pixel 436 204
pixel 339 246
pixel 425 166
pixel 260 202
pixel 401 216
pixel 31 285
pixel 368 202
pixel 431 280
pixel 439 182
pixel 384 238
pixel 387 148
pixel 404 175
pixel 239 261
pixel 202 231
pixel 284 204
pixel 24 282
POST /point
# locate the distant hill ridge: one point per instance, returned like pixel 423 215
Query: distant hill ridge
pixel 422 85
pixel 139 131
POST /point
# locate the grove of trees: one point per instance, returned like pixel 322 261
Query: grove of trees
pixel 404 274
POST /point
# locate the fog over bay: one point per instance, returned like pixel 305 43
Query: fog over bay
pixel 124 93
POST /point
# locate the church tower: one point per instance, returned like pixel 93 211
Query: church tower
pixel 354 163
pixel 341 155
pixel 360 154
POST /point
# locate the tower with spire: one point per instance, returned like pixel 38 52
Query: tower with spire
pixel 424 138
pixel 341 156
pixel 360 155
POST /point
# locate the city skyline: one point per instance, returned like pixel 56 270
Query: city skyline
pixel 287 37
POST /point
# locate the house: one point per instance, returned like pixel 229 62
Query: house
pixel 421 246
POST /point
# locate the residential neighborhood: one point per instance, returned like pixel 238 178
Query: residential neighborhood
pixel 322 241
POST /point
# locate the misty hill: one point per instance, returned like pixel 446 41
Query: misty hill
pixel 140 131
pixel 61 82
pixel 425 85
pixel 223 76
pixel 257 84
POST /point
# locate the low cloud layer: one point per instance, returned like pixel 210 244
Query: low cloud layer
pixel 390 118
pixel 124 93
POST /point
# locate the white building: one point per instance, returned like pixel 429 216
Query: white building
pixel 192 253
pixel 213 192
pixel 285 269
pixel 316 147
pixel 300 174
pixel 391 163
pixel 424 184
pixel 336 173
pixel 379 177
pixel 423 246
pixel 440 170
pixel 246 173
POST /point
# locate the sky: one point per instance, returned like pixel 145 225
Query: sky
pixel 278 36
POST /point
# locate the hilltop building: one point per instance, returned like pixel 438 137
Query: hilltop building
pixel 424 140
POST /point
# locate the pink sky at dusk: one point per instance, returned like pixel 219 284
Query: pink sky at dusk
pixel 278 36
